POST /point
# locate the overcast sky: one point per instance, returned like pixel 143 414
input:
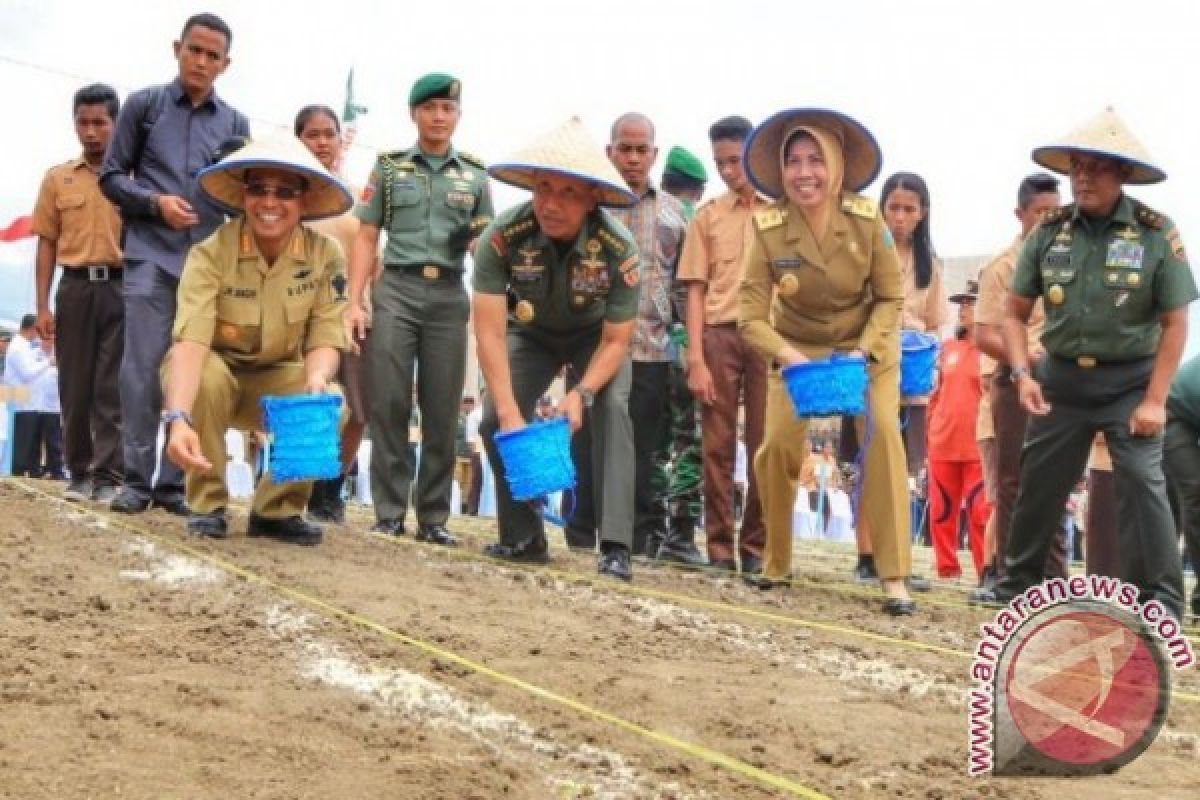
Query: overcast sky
pixel 959 92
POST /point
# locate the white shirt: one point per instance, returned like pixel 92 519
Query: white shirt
pixel 473 420
pixel 44 393
pixel 23 365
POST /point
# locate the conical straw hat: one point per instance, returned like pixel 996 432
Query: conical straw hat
pixel 567 150
pixel 326 196
pixel 763 160
pixel 1103 135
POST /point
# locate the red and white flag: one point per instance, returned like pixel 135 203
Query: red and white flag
pixel 19 228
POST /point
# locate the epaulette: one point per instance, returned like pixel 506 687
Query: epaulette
pixel 1057 215
pixel 859 206
pixel 605 233
pixel 1148 216
pixel 473 160
pixel 769 218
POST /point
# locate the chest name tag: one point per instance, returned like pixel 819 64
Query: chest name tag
pixel 787 263
pixel 1124 254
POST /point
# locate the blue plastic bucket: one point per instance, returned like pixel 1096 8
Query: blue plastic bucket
pixel 304 436
pixel 918 357
pixel 537 459
pixel 828 388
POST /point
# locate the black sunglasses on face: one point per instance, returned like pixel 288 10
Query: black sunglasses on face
pixel 282 192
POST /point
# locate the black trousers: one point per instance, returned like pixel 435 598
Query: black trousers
pixel 27 444
pixel 1182 465
pixel 1084 401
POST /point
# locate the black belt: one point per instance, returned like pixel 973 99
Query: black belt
pixel 99 273
pixel 1091 362
pixel 430 272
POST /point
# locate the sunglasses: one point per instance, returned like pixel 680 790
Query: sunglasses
pixel 281 192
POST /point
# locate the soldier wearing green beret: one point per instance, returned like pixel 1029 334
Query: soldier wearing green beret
pixel 433 201
pixel 556 284
pixel 1116 287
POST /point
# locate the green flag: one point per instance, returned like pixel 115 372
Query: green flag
pixel 351 110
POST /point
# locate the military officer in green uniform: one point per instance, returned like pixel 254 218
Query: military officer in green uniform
pixel 1116 287
pixel 433 201
pixel 556 284
pixel 259 313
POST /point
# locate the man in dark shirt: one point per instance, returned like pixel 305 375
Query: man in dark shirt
pixel 165 135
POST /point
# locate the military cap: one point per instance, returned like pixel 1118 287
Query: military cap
pixel 682 162
pixel 435 84
pixel 763 151
pixel 1104 135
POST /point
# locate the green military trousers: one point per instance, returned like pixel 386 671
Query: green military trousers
pixel 418 326
pixel 535 358
pixel 1083 401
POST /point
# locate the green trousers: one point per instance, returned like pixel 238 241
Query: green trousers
pixel 1082 402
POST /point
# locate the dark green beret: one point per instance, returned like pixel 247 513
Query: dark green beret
pixel 682 162
pixel 435 84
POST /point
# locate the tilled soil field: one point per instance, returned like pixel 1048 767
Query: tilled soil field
pixel 136 662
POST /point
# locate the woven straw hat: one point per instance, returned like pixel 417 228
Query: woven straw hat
pixel 1104 135
pixel 863 157
pixel 567 150
pixel 326 196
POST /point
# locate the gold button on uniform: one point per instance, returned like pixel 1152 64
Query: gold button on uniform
pixel 525 311
pixel 430 273
pixel 1056 295
pixel 789 285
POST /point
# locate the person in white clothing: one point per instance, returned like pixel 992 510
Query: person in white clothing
pixel 24 364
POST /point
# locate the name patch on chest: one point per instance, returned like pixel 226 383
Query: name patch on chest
pixel 240 292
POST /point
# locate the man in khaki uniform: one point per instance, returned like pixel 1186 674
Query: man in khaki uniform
pixel 80 229
pixel 722 367
pixel 1036 195
pixel 260 313
pixel 1116 288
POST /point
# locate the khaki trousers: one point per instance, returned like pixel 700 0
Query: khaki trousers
pixel 884 506
pixel 229 399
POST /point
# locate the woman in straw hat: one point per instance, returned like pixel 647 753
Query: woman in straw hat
pixel 260 313
pixel 822 276
pixel 1116 285
pixel 556 284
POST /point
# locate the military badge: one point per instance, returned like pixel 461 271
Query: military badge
pixel 1056 295
pixel 1133 279
pixel 302 273
pixel 1122 296
pixel 1112 277
pixel 524 311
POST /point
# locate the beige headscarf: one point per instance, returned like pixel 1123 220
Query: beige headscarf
pixel 830 145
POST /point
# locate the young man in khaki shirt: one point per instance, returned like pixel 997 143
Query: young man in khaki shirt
pixel 725 368
pixel 80 229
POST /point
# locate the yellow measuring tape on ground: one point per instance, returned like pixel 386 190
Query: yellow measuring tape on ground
pixel 714 757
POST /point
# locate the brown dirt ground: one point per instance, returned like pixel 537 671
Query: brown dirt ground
pixel 130 668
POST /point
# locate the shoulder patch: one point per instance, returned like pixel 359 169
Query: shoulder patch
pixel 859 206
pixel 768 218
pixel 1059 214
pixel 1148 216
pixel 472 159
pixel 1176 243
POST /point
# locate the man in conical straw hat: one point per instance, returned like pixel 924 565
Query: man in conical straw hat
pixel 556 284
pixel 260 313
pixel 1116 285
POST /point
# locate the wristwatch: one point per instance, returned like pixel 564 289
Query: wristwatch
pixel 170 416
pixel 1017 373
pixel 586 395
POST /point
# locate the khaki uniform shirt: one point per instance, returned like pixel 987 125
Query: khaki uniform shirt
pixel 596 280
pixel 994 283
pixel 714 250
pixel 793 294
pixel 73 213
pixel 924 309
pixel 431 213
pixel 1105 282
pixel 255 315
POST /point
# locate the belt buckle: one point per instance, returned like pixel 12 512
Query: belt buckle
pixel 98 273
pixel 1087 362
pixel 430 273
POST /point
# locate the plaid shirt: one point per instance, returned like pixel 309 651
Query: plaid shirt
pixel 658 224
